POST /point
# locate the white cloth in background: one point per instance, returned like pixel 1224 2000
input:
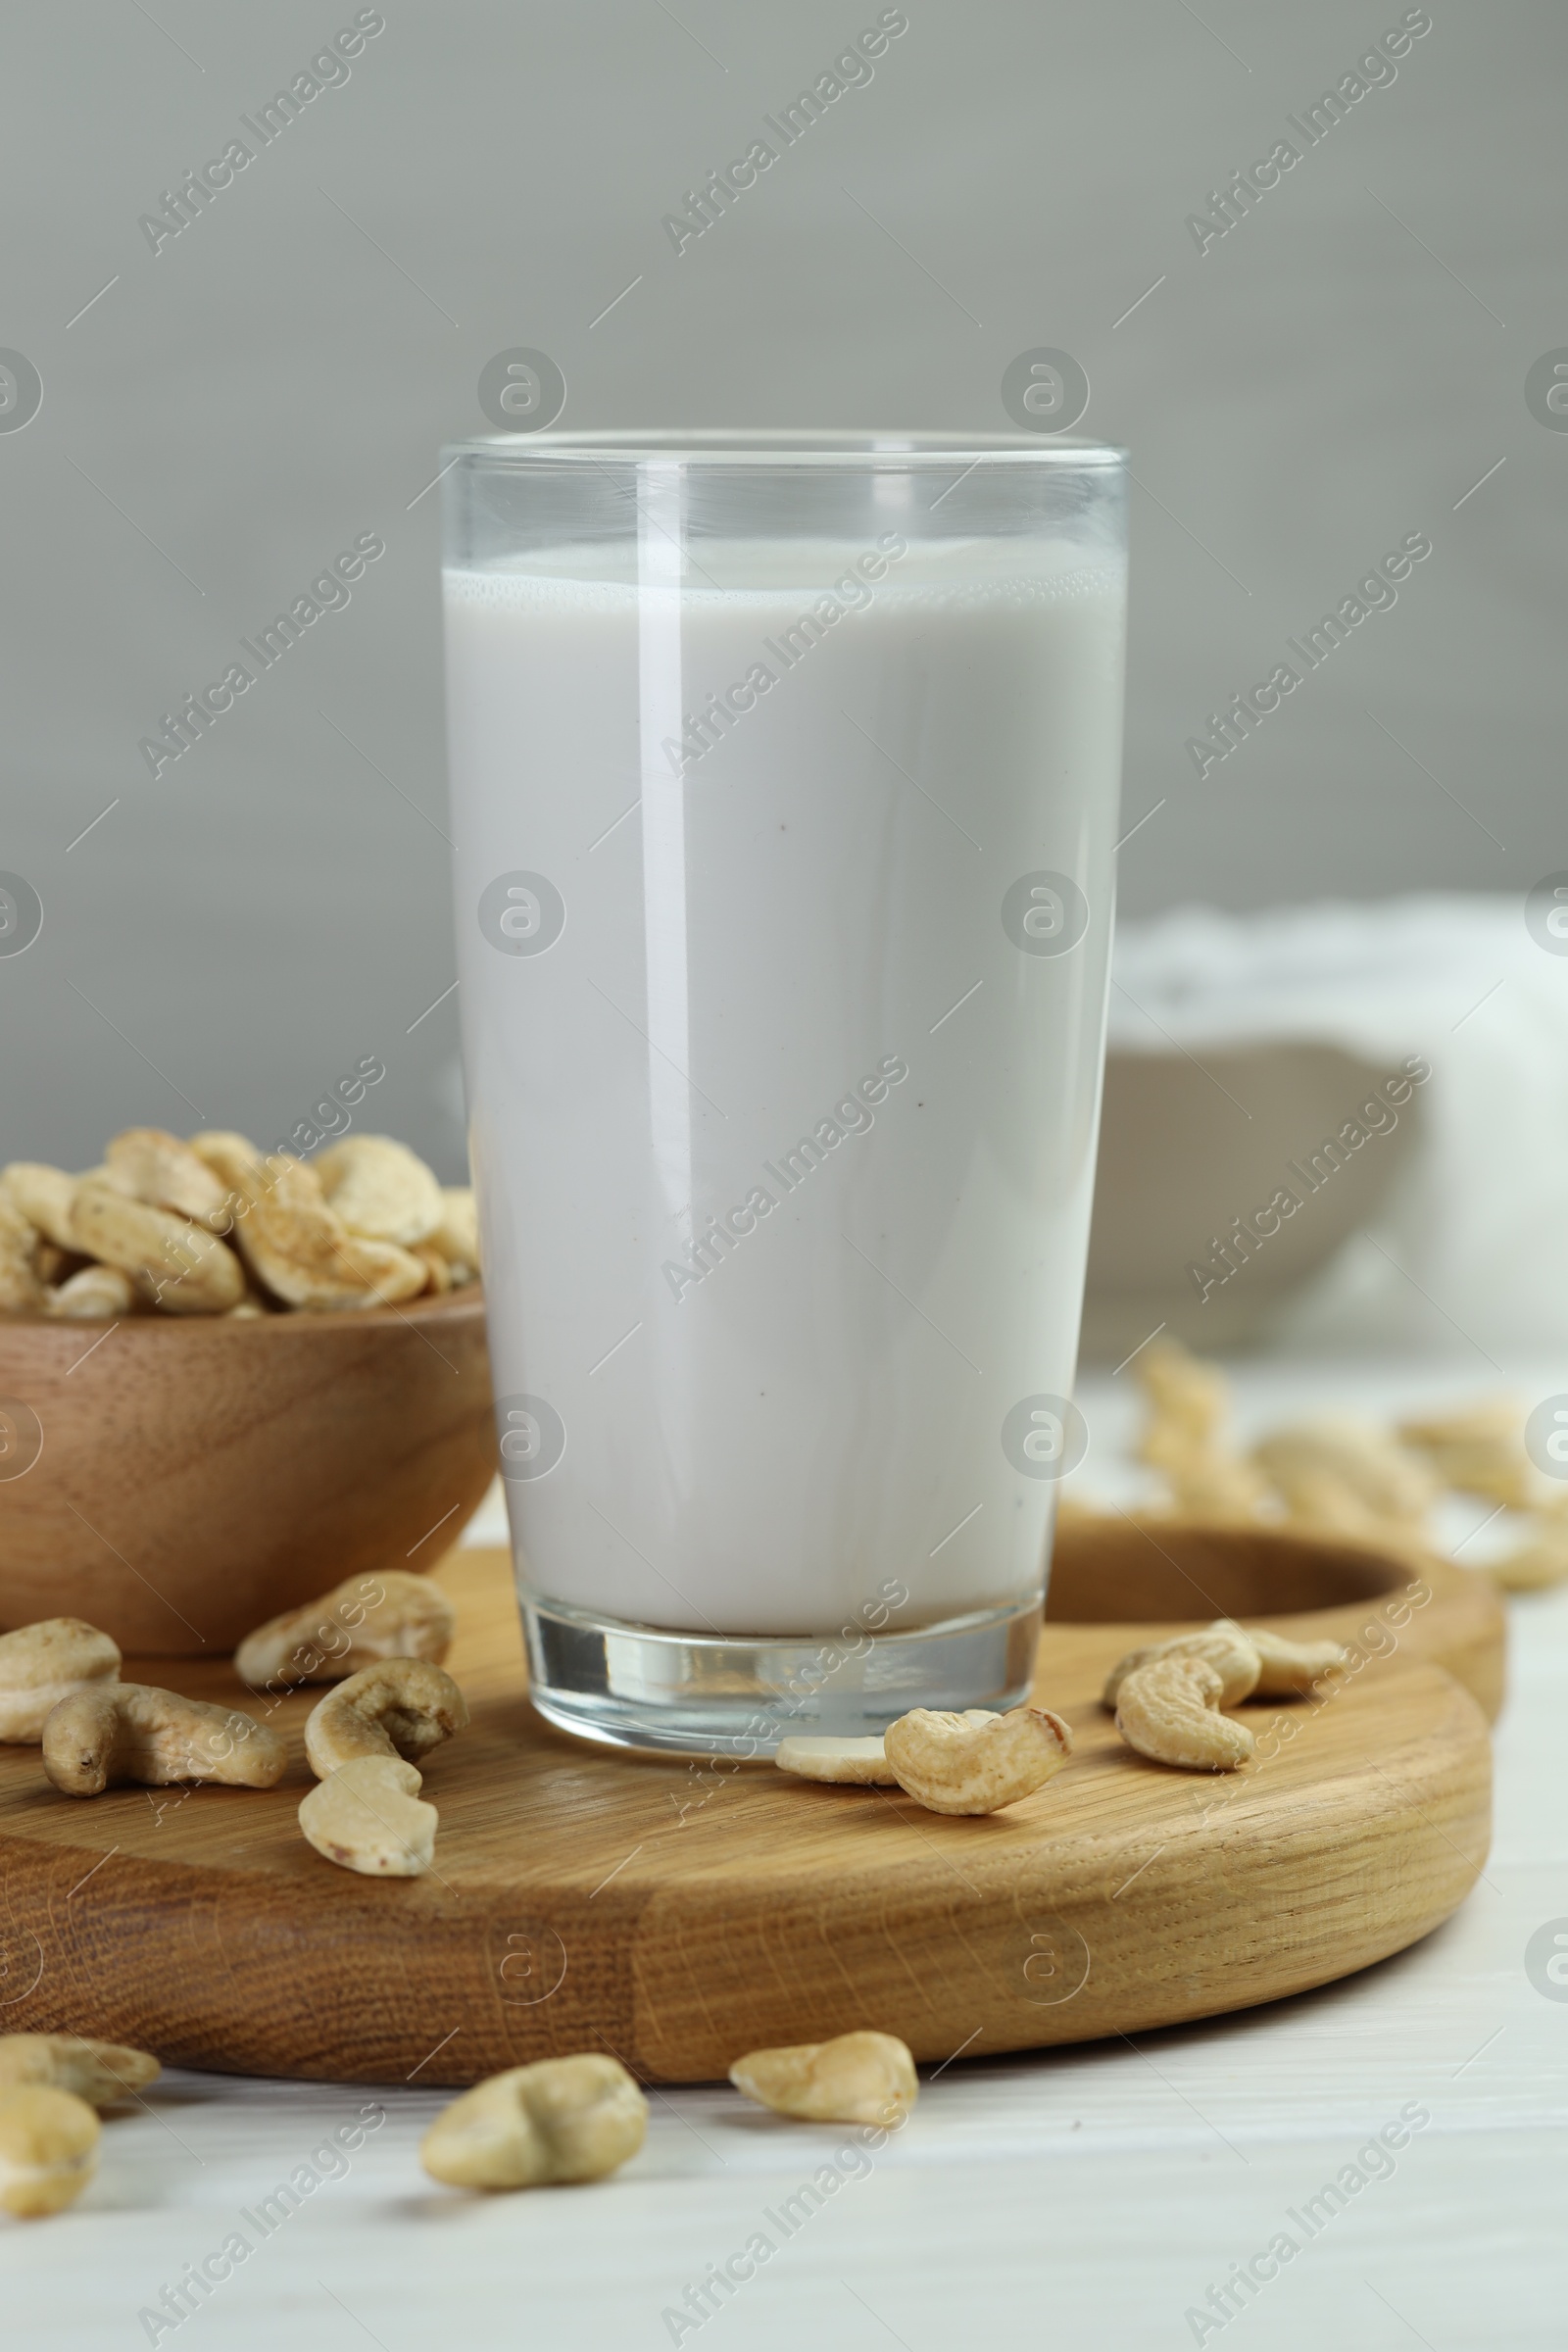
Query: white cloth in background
pixel 1477 1227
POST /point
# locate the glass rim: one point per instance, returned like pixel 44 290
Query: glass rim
pixel 734 449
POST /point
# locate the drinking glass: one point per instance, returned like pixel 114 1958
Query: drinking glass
pixel 785 775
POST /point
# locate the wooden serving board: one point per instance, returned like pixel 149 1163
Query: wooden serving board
pixel 680 1914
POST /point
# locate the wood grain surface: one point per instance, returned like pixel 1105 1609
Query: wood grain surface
pixel 680 1913
pixel 193 1476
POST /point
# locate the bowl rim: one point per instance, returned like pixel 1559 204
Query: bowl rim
pixel 449 1305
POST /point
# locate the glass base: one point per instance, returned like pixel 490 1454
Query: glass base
pixel 636 1686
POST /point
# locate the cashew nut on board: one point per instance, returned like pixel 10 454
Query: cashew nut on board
pixel 1169 1711
pixel 130 1731
pixel 951 1764
pixel 41 1664
pixel 389 1613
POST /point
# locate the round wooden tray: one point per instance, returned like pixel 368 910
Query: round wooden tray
pixel 681 1913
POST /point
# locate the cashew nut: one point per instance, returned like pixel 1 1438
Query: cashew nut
pixel 398 1707
pixel 92 1295
pixel 1186 1398
pixel 563 2119
pixel 1168 1710
pixel 392 1614
pixel 149 1165
pixel 437 1269
pixel 855 2078
pixel 100 2071
pixel 45 1196
pixel 1232 1654
pixel 1480 1451
pixel 1184 1436
pixel 1215 1486
pixel 22 1292
pixel 1290 1669
pixel 1348 1476
pixel 130 1731
pixel 457 1236
pixel 233 1159
pixel 181 1267
pixel 380 1188
pixel 368 1816
pixel 952 1764
pixel 297 1245
pixel 856 1762
pixel 48 2149
pixel 41 1664
pixel 1539 1562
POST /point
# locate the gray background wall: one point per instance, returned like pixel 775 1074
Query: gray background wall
pixel 1337 371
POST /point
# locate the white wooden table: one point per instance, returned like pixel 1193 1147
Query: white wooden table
pixel 1090 2196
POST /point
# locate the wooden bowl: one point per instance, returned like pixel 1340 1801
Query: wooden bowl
pixel 177 1481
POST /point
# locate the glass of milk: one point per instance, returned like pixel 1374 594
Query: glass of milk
pixel 785 775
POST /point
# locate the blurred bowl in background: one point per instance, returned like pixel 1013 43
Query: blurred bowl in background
pixel 1178 1161
pixel 176 1482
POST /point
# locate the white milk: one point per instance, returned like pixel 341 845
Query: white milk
pixel 771 949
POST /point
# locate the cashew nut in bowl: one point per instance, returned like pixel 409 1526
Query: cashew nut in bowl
pixel 157 1169
pixel 1232 1654
pixel 389 1614
pixel 1169 1711
pixel 100 2071
pixel 236 1162
pixel 457 1236
pixel 398 1707
pixel 45 1196
pixel 41 1664
pixel 95 1295
pixel 563 2119
pixel 855 2079
pixel 301 1249
pixel 130 1731
pixel 955 1764
pixel 179 1266
pixel 368 1816
pixel 437 1268
pixel 48 2149
pixel 380 1188
pixel 22 1289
